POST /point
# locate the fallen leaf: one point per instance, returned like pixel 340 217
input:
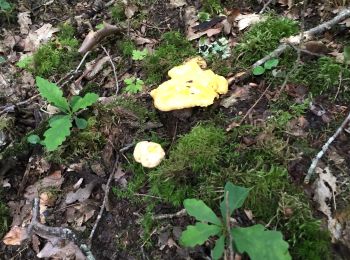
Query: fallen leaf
pixel 15 236
pixel 54 180
pixel 246 20
pixel 130 10
pixel 325 188
pixel 24 22
pixel 240 93
pixel 80 195
pixel 178 3
pixel 56 249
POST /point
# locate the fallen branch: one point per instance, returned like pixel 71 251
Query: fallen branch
pixel 178 214
pixel 57 232
pixel 114 70
pixel 94 38
pixel 105 200
pixel 324 149
pixel 308 35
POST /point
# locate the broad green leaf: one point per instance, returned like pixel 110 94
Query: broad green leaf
pixel 52 93
pixel 84 102
pixel 59 129
pixel 81 123
pixel 258 70
pixel 100 26
pixel 33 139
pixel 198 234
pixel 219 248
pixel 199 210
pixel 236 197
pixel 346 54
pixel 74 100
pixel 4 5
pixel 24 62
pixel 270 64
pixel 133 85
pixel 259 243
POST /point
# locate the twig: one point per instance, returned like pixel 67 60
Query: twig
pixel 233 124
pixel 114 70
pixel 228 228
pixel 57 232
pixel 105 199
pixel 265 6
pixel 81 62
pixel 11 107
pixel 178 214
pixel 324 149
pixel 307 35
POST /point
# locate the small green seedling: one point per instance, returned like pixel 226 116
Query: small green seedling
pixel 256 241
pixel 100 26
pixel 61 124
pixel 203 16
pixel 268 65
pixel 139 55
pixel 133 85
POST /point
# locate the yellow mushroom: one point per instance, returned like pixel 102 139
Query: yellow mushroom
pixel 189 86
pixel 149 154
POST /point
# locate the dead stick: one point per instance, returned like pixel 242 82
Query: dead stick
pixel 307 35
pixel 105 199
pixel 228 227
pixel 114 70
pixel 59 232
pixel 324 150
pixel 180 213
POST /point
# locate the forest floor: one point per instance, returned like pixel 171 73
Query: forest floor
pixel 262 134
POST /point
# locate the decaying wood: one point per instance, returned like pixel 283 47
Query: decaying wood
pixel 94 38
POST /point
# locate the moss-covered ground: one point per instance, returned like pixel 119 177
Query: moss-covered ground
pixel 268 152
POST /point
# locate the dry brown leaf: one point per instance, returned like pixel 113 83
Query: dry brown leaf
pixel 130 10
pixel 178 3
pixel 246 20
pixel 54 180
pixel 32 42
pixel 56 249
pixel 80 195
pixel 325 188
pixel 15 236
pixel 24 22
pixel 240 93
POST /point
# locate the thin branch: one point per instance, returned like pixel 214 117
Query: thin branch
pixel 233 124
pixel 105 199
pixel 265 6
pixel 114 70
pixel 178 214
pixel 324 149
pixel 58 232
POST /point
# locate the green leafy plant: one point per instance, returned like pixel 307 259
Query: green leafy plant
pixel 133 85
pixel 5 6
pixel 256 241
pixel 61 124
pixel 268 65
pixel 139 55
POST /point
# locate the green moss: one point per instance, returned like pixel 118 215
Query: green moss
pixel 172 51
pixel 212 7
pixel 194 157
pixel 126 47
pixel 57 56
pixel 117 12
pixel 263 37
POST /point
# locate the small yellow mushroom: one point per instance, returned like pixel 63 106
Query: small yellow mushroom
pixel 188 87
pixel 149 154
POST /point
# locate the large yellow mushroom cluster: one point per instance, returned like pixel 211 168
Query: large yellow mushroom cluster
pixel 189 86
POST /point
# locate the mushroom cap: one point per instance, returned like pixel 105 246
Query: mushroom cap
pixel 189 86
pixel 149 154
